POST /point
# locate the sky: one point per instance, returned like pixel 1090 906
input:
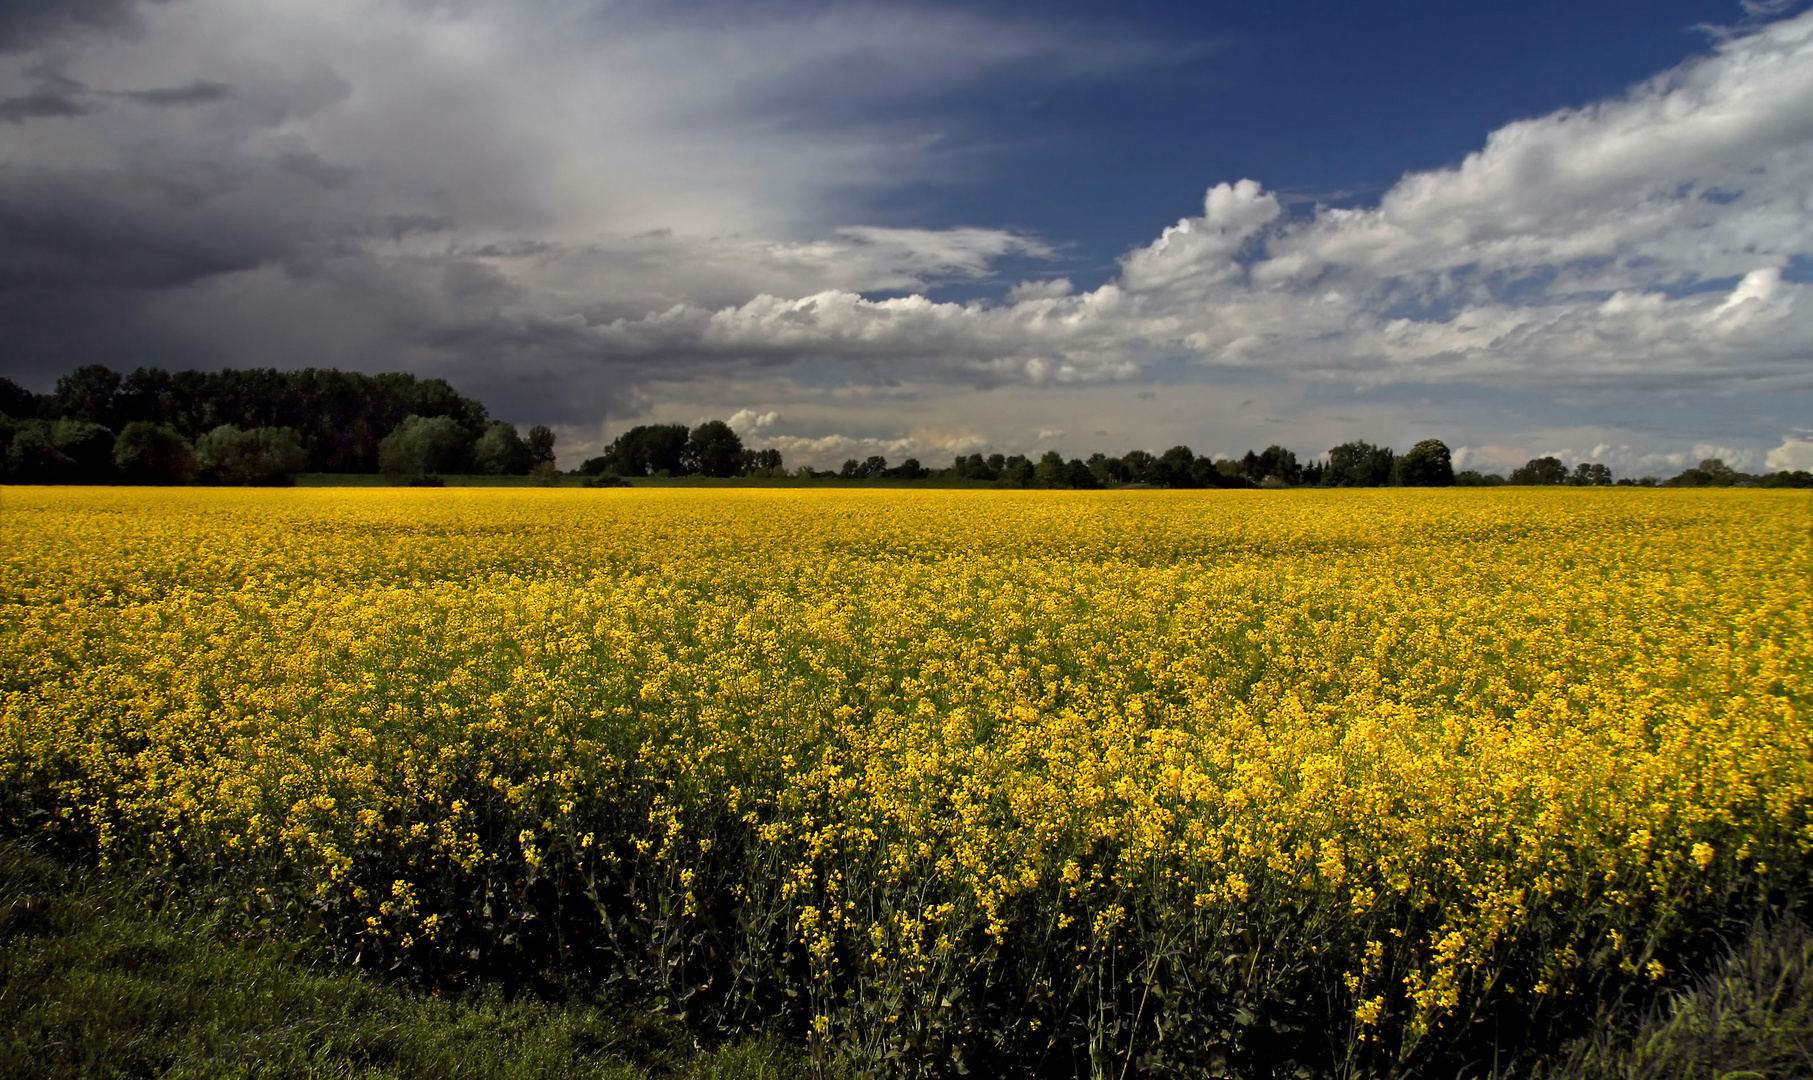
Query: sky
pixel 1577 229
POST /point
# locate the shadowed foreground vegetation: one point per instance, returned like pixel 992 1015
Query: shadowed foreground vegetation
pixel 103 977
pixel 1751 1018
pixel 99 977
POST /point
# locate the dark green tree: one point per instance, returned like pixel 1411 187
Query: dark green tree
pixel 1590 474
pixel 1204 473
pixel 500 451
pixel 151 396
pixel 763 463
pixel 16 401
pixel 1359 464
pixel 1428 464
pixel 33 456
pixel 1173 469
pixel 1784 478
pixel 89 446
pixel 644 450
pixel 541 445
pixel 1049 472
pixel 973 467
pixel 1540 471
pixel 1277 463
pixel 424 446
pixel 88 393
pixel 713 449
pixel 1710 472
pixel 148 453
pixel 1138 466
pixel 59 452
pixel 1078 474
pixel 261 456
pixel 1474 478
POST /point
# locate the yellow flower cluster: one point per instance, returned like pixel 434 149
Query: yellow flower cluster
pixel 1475 741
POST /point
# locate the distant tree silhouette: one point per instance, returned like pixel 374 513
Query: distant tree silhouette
pixel 1359 464
pixel 1277 463
pixel 644 450
pixel 263 456
pixel 1590 474
pixel 88 393
pixel 541 445
pixel 713 449
pixel 58 452
pixel 1540 471
pixel 1172 468
pixel 424 446
pixel 16 401
pixel 500 451
pixel 1428 464
pixel 148 453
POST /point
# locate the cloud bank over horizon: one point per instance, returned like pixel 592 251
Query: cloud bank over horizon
pixel 596 216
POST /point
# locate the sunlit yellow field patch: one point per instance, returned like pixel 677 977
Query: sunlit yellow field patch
pixel 936 774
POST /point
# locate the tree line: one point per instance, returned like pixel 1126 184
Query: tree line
pixel 1710 472
pixel 713 449
pixel 263 426
pixel 252 426
pixel 1354 464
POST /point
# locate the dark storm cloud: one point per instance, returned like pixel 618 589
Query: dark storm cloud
pixel 199 92
pixel 57 234
pixel 25 24
pixel 493 197
pixel 58 96
pixel 316 168
pixel 48 100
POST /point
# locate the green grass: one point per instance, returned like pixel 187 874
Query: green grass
pixel 375 480
pixel 96 982
pixel 378 480
pixel 1750 1019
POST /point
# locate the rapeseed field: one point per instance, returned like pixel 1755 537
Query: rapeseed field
pixel 1039 783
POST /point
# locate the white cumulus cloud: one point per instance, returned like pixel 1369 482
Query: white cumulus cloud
pixel 747 422
pixel 1584 249
pixel 1793 453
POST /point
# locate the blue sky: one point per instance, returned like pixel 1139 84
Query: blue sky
pixel 927 229
pixel 1323 101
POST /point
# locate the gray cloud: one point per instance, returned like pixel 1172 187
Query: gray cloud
pixel 198 92
pixel 50 99
pixel 27 24
pixel 79 236
pixel 458 189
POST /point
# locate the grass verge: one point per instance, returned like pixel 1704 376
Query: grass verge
pixel 1749 1019
pixel 96 982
